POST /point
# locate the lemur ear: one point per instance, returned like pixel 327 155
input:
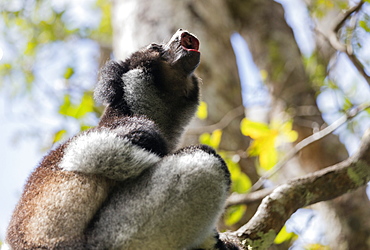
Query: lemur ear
pixel 109 89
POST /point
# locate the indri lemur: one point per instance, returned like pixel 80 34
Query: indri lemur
pixel 122 184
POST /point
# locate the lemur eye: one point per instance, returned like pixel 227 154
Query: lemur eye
pixel 154 46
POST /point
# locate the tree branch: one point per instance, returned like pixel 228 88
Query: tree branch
pixel 322 185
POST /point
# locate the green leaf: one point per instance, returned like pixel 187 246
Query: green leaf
pixel 68 72
pixel 347 104
pixel 316 246
pixel 241 184
pixel 31 47
pixel 367 110
pixel 104 32
pixel 363 24
pixel 84 127
pixel 86 105
pixel 59 135
pixel 213 139
pixel 205 138
pixel 240 181
pixel 234 214
pixel 284 235
pixel 77 111
pixel 5 68
pixel 66 107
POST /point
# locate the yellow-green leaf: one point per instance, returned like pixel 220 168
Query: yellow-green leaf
pixel 264 74
pixel 253 129
pixel 59 135
pixel 316 247
pixel 262 144
pixel 84 127
pixel 77 111
pixel 202 112
pixel 234 214
pixel 5 67
pixel 291 136
pixel 268 158
pixel 30 48
pixel 286 132
pixel 215 139
pixel 241 184
pixel 205 138
pixel 363 24
pixel 284 235
pixel 66 107
pixel 68 72
pixel 240 181
pixel 86 105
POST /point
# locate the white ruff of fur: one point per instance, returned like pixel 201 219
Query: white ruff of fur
pixel 105 153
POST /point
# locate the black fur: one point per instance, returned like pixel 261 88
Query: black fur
pixel 108 90
pixel 141 132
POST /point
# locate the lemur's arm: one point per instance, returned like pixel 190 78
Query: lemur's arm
pixel 120 153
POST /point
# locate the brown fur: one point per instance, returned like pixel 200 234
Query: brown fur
pixel 40 216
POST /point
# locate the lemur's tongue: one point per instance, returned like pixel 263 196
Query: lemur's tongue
pixel 189 42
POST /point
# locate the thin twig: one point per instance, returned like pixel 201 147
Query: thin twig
pixel 309 140
pixel 346 15
pixel 334 42
pixel 223 123
pixel 247 199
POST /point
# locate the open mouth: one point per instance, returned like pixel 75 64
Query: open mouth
pixel 189 42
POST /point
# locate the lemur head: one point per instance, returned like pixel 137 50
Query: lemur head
pixel 157 82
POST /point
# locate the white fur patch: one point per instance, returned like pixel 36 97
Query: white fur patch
pixel 141 94
pixel 103 152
